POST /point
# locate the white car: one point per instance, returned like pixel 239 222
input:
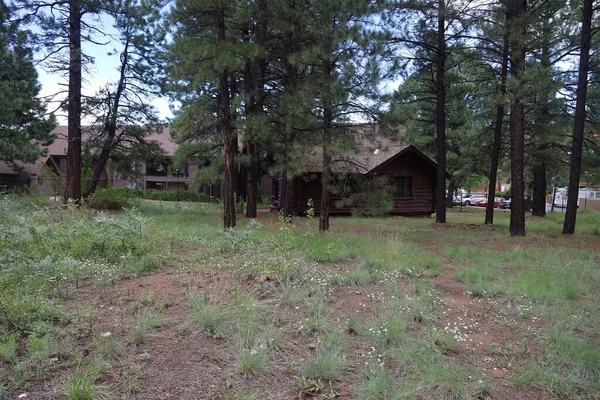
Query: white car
pixel 473 199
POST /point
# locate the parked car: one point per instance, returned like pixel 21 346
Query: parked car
pixel 505 203
pixel 483 203
pixel 473 199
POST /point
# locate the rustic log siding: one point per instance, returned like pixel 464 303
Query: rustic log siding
pixel 422 202
pixel 423 176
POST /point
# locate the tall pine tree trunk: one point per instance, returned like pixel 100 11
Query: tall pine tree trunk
pixel 325 194
pixel 251 116
pixel 290 84
pixel 74 104
pixel 110 125
pixel 326 141
pixel 256 72
pixel 252 181
pixel 285 190
pixel 577 148
pixel 240 179
pixel 517 119
pixel 450 196
pixel 100 164
pixel 499 124
pixel 440 113
pixel 538 206
pixel 226 134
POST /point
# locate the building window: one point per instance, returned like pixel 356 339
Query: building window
pixel 403 187
pixel 157 169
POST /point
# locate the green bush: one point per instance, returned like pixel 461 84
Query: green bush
pixel 182 195
pixel 129 192
pixel 112 199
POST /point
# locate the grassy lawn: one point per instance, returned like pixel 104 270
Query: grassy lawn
pixel 160 303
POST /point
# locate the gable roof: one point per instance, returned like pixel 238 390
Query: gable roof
pixel 30 169
pixel 59 148
pixel 372 151
pixel 362 161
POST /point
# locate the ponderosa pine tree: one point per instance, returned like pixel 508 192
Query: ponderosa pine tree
pixel 62 54
pixel 579 123
pixel 24 128
pixel 121 112
pixel 440 113
pixel 546 121
pixel 289 105
pixel 501 55
pixel 517 24
pixel 430 43
pixel 256 32
pixel 345 74
pixel 205 57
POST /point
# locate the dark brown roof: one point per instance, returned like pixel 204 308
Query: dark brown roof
pixel 31 169
pixel 59 147
pixel 372 149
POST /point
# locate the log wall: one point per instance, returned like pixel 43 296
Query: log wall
pixel 412 165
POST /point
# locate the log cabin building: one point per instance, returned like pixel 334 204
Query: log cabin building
pixel 406 175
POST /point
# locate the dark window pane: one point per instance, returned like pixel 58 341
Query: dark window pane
pixel 403 187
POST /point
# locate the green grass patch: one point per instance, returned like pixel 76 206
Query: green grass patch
pixel 212 318
pixel 327 364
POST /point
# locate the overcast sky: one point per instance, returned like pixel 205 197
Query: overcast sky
pixel 98 75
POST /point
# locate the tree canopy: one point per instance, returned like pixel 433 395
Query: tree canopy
pixel 24 126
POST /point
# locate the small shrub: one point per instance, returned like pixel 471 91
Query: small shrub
pixel 80 386
pixel 135 379
pixel 252 361
pixel 139 333
pixel 8 348
pixel 182 195
pixel 214 320
pixel 317 321
pixel 109 347
pixel 390 329
pixel 97 369
pixel 309 386
pixel 112 199
pixel 20 310
pixel 38 347
pixel 21 374
pixel 242 396
pixel 328 364
pixel 378 386
pixel 149 299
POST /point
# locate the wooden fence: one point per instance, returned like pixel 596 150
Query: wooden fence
pixel 589 204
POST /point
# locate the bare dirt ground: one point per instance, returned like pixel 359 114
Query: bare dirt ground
pixel 178 361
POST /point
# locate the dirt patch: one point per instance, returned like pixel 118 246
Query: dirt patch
pixel 491 334
pixel 494 336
